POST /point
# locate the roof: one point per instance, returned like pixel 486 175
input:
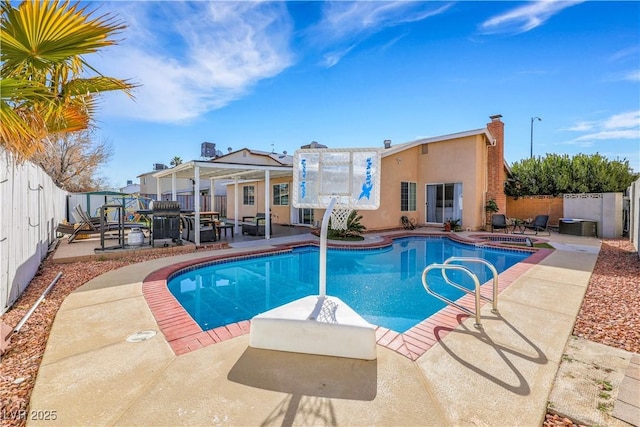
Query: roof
pixel 225 167
pixel 280 158
pixel 221 170
pixel 401 147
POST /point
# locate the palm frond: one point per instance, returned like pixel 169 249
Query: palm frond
pixel 40 34
pixel 78 87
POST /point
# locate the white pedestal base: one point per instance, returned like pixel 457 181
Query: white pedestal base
pixel 314 325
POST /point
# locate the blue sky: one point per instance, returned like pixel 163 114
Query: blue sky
pixel 278 75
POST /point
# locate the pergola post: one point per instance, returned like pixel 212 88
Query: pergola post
pixel 211 193
pixel 196 203
pixel 174 186
pixel 236 204
pixel 267 204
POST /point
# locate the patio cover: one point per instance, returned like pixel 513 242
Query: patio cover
pixel 213 170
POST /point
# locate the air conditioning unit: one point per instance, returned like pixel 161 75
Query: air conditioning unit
pixel 208 149
pixel 159 166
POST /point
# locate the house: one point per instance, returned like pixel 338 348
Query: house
pixel 432 180
pixel 149 184
pixel 152 188
pixel 252 192
pixel 130 188
pixel 428 180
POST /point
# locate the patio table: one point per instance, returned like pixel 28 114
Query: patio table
pixel 518 226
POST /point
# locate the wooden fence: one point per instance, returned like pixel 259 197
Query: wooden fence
pixel 530 206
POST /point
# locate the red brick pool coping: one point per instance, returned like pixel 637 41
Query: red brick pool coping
pixel 184 335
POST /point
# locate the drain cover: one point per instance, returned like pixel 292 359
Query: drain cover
pixel 141 336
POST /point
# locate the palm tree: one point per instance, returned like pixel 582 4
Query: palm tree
pixel 44 88
pixel 176 161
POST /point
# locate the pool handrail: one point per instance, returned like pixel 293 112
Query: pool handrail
pixel 478 323
pixel 494 272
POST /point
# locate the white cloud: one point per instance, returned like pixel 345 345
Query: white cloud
pixel 525 18
pixel 332 58
pixel 346 24
pixel 582 126
pixel 619 127
pixel 630 53
pixel 629 120
pixel 193 57
pixel 633 76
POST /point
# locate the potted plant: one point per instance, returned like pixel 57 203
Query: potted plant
pixel 491 206
pixel 452 225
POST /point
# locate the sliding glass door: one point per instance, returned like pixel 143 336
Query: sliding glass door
pixel 301 216
pixel 444 201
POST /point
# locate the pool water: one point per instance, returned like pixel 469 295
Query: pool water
pixel 384 285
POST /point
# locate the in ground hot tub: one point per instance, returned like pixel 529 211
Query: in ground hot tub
pixel 579 227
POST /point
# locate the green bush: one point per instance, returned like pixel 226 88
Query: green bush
pixel 354 228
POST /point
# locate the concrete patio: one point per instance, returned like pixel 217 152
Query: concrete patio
pixel 501 375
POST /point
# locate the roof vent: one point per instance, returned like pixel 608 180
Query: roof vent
pixel 387 143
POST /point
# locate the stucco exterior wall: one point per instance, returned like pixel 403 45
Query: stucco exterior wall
pixel 634 215
pixel 279 214
pixel 246 157
pixel 606 208
pixel 453 161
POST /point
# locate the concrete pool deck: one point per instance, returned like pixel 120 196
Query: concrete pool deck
pixel 501 375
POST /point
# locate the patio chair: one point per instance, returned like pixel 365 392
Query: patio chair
pixel 406 223
pixel 255 227
pixel 207 233
pixel 184 224
pixel 540 224
pixel 499 222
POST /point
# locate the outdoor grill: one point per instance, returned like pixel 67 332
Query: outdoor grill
pixel 166 221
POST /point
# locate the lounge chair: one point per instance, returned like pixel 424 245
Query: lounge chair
pixel 73 231
pixel 499 222
pixel 540 224
pixel 406 223
pixel 84 218
pixel 87 225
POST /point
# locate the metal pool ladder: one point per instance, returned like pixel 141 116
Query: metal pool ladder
pixel 446 266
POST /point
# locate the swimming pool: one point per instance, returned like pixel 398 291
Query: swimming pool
pixel 382 285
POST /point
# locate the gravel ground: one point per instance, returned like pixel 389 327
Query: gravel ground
pixel 615 283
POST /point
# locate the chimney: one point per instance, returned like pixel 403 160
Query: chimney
pixel 496 175
pixel 314 144
pixel 387 143
pixel 129 182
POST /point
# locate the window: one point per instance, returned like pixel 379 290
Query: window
pixel 248 195
pixel 407 196
pixel 281 195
